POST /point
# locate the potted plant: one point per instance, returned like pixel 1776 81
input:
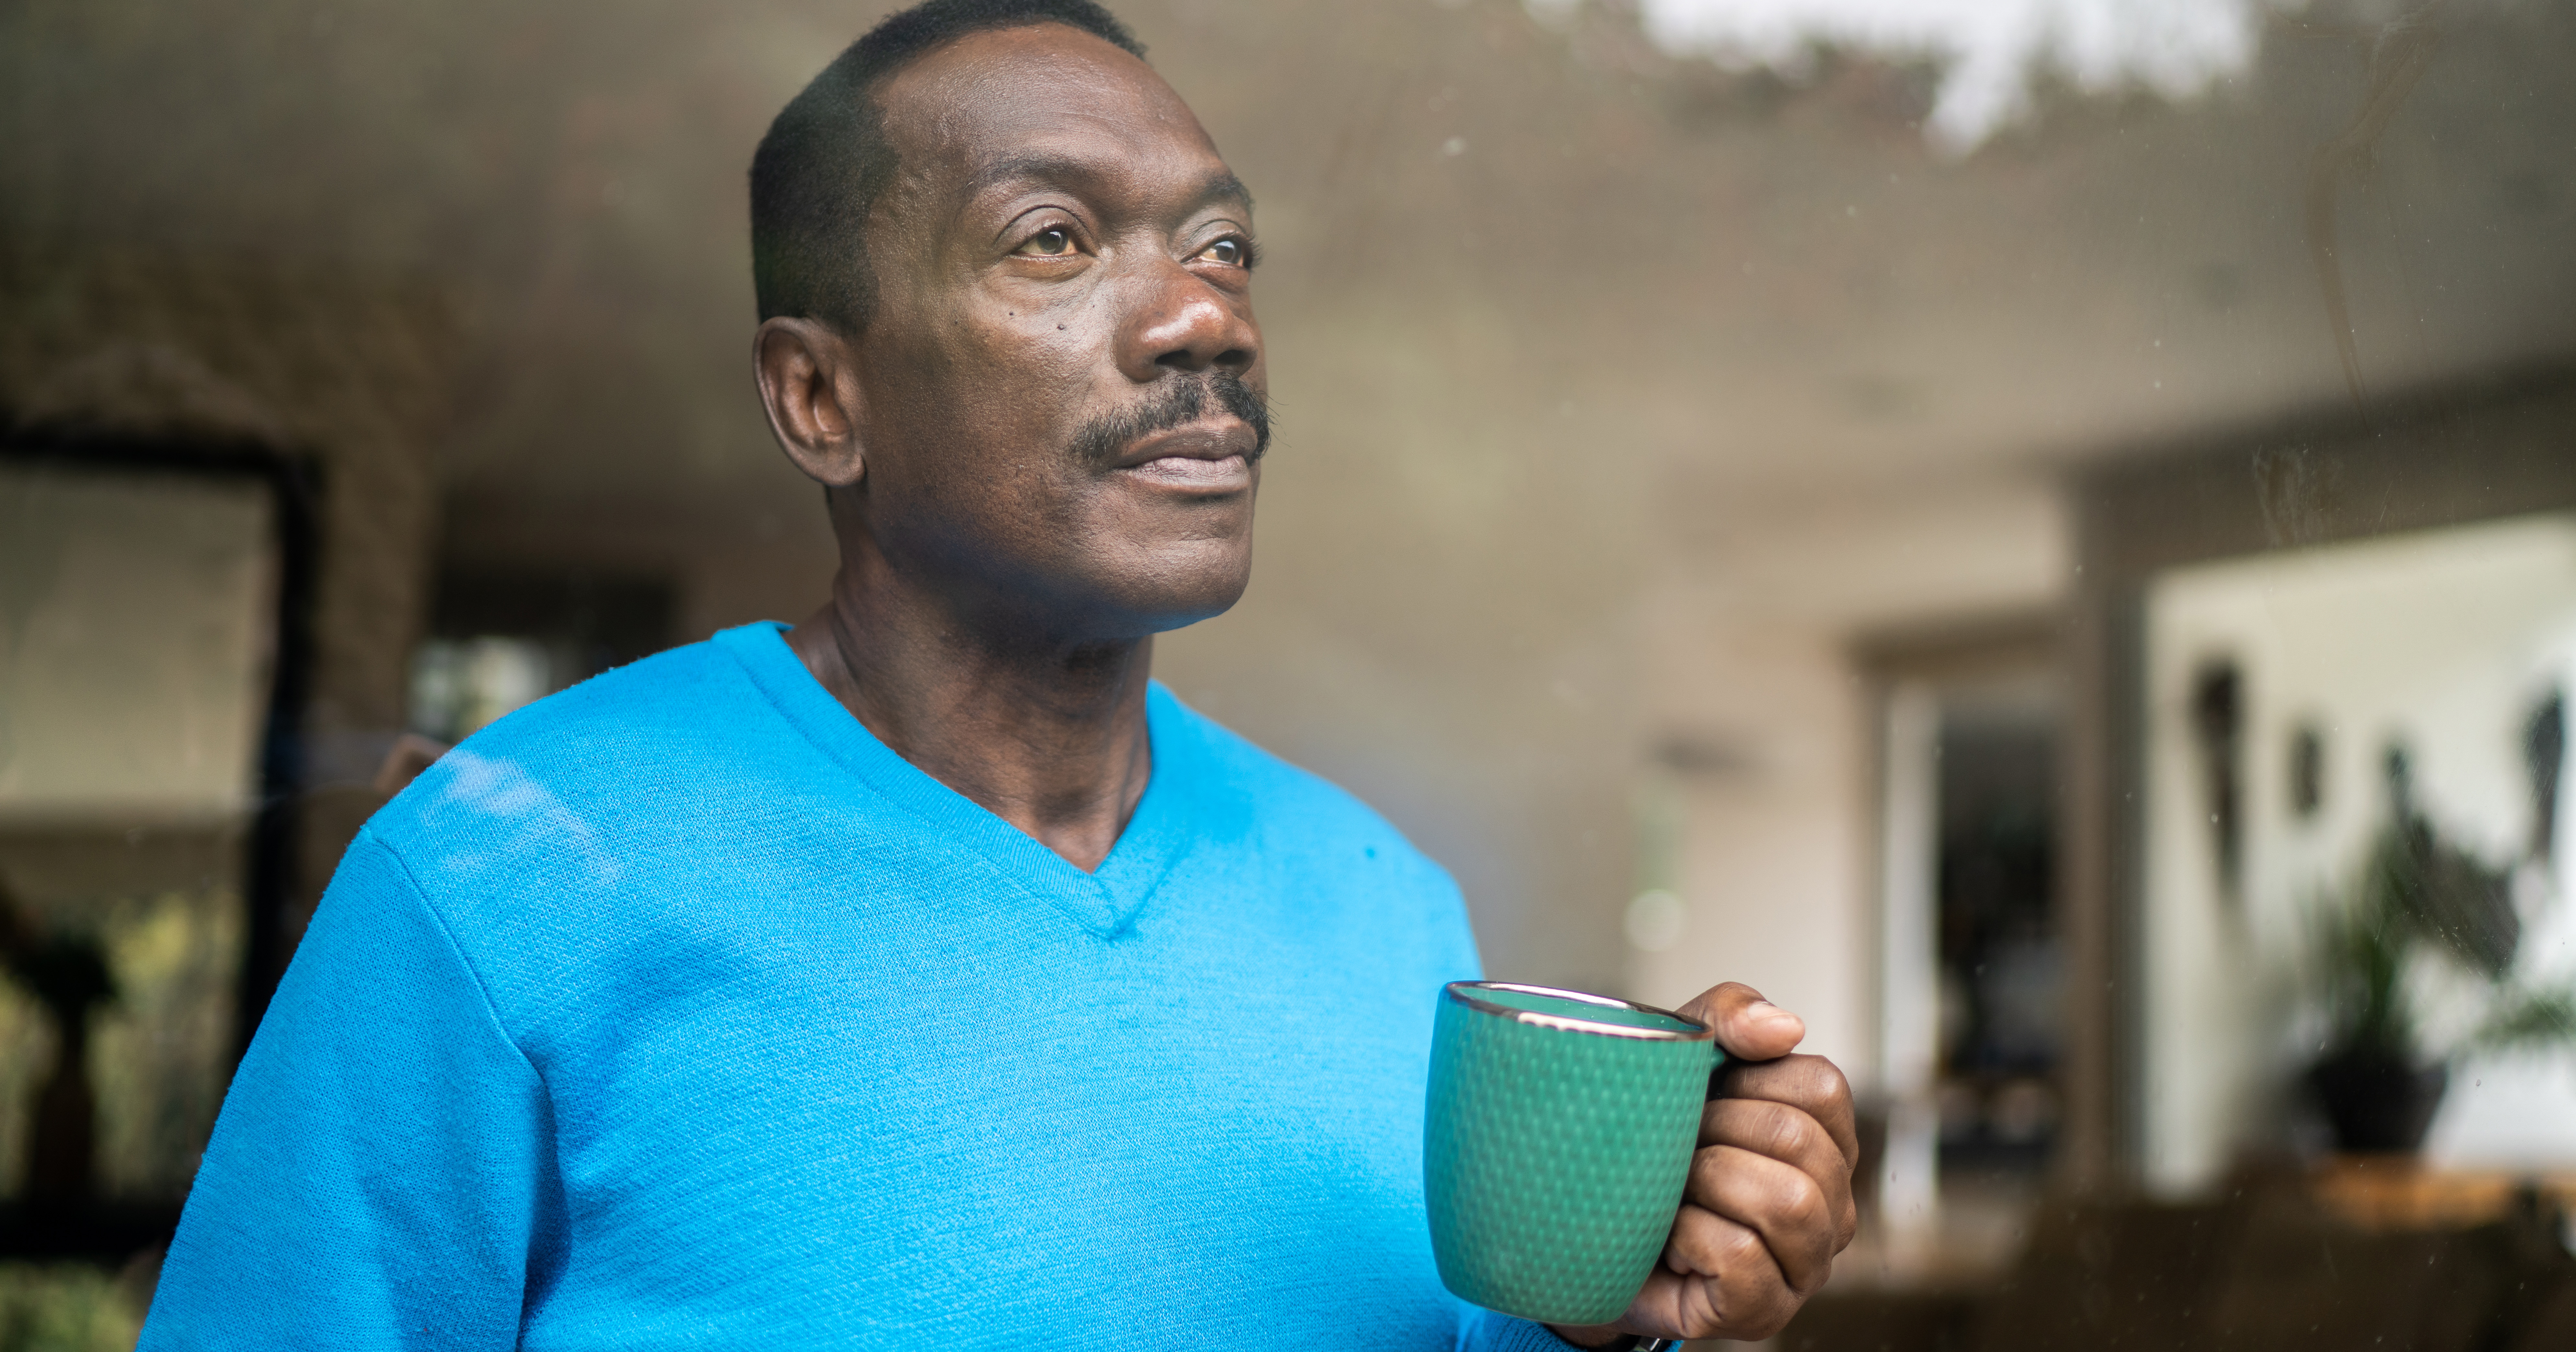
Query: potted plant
pixel 2417 893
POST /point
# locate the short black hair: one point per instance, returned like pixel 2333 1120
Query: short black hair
pixel 820 169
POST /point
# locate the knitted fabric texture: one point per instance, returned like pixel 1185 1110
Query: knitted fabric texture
pixel 676 1010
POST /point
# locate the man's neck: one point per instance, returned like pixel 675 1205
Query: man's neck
pixel 1049 737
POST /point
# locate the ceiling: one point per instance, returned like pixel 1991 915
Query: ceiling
pixel 1728 283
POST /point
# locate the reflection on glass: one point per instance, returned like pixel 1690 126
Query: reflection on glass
pixel 2440 650
pixel 457 687
pixel 1941 510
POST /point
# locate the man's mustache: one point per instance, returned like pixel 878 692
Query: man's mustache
pixel 1173 402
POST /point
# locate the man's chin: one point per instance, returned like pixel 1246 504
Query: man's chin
pixel 1178 584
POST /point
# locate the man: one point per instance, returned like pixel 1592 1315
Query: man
pixel 921 975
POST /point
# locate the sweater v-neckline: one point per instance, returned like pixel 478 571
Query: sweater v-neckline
pixel 1104 901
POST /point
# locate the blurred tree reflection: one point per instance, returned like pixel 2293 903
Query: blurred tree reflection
pixel 68 976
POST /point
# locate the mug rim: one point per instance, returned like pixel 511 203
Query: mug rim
pixel 1460 991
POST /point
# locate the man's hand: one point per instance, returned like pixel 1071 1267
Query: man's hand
pixel 1769 1202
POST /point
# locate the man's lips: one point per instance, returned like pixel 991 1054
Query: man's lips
pixel 1212 455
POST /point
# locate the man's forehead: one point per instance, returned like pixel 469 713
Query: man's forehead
pixel 1040 101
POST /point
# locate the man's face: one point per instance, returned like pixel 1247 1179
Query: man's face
pixel 1062 415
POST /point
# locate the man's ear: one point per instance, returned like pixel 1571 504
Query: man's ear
pixel 809 382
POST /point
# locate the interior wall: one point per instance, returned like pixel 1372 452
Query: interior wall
pixel 1757 642
pixel 2442 642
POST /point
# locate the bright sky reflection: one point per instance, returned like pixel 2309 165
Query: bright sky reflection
pixel 1989 49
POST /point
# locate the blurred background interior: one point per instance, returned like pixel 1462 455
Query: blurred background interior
pixel 2040 534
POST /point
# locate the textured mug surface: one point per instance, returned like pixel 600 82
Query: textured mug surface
pixel 1556 1141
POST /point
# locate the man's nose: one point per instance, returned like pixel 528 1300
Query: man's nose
pixel 1182 322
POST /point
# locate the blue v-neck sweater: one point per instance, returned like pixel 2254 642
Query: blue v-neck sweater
pixel 678 1011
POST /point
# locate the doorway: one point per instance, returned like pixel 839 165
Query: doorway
pixel 1970 965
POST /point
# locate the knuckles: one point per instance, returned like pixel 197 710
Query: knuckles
pixel 1806 1211
pixel 1734 1287
pixel 1740 1252
pixel 1766 1127
pixel 1799 1079
pixel 1811 1084
pixel 1787 1201
pixel 1711 1247
pixel 1745 1307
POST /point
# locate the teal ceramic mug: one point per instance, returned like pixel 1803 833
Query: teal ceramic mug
pixel 1556 1141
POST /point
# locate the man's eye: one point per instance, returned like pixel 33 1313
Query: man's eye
pixel 1054 242
pixel 1230 252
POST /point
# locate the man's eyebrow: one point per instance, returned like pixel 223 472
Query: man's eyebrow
pixel 1020 168
pixel 1221 186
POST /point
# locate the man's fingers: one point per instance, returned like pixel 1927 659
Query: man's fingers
pixel 1769 1201
pixel 1792 1137
pixel 1810 1084
pixel 1717 1280
pixel 1749 1027
pixel 1781 1202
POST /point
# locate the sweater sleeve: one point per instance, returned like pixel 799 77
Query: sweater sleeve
pixel 382 1166
pixel 1482 1330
